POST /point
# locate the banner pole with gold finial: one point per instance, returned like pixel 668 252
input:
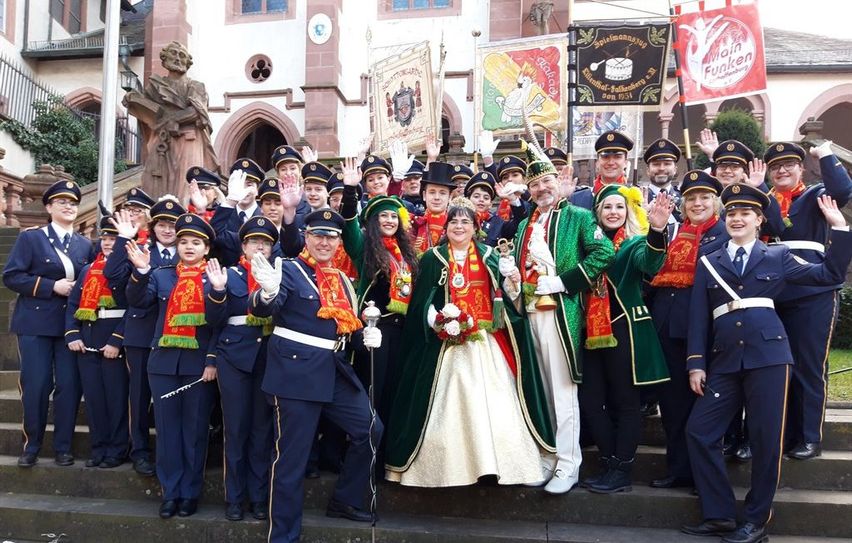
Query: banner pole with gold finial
pixel 572 83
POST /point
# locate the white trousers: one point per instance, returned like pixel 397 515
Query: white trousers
pixel 560 390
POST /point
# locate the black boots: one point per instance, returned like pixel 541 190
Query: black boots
pixel 616 478
pixel 603 462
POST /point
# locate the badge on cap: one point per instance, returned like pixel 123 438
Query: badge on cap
pixel 550 151
pixel 261 222
pixel 340 176
pixel 730 147
pixel 506 160
pixel 196 171
pixel 69 185
pixel 371 160
pixel 693 176
pixel 779 147
pixel 313 167
pixel 188 218
pixel 271 182
pixel 133 192
pixel 169 205
pixel 327 215
pixel 245 163
pixel 661 144
pixel 610 137
pixel 735 189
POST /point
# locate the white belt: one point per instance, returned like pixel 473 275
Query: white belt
pixel 110 313
pixel 797 244
pixel 313 341
pixel 237 321
pixel 743 303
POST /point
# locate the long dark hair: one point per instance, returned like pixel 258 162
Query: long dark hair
pixel 376 257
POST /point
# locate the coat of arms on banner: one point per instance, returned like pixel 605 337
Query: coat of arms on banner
pixel 521 77
pixel 722 54
pixel 404 99
pixel 621 65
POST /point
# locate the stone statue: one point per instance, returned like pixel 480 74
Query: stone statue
pixel 176 127
pixel 540 16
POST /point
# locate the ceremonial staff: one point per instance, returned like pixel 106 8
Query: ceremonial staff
pixel 371 315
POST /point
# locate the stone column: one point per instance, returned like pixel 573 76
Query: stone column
pixel 507 16
pixel 166 23
pixel 322 77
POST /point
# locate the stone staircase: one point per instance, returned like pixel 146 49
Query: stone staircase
pixel 814 501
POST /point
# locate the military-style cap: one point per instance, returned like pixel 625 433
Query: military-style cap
pixel 662 149
pixel 202 176
pixel 335 184
pixel 416 168
pixel 783 150
pixel 461 173
pixel 259 227
pixel 377 204
pixel 439 173
pixel 316 172
pixel 190 224
pixel 106 227
pixel 733 151
pixel 61 189
pixel 740 195
pixel 482 180
pixel 285 153
pixel 268 189
pixel 324 222
pixel 168 210
pixel 137 197
pixel 613 141
pixel 699 180
pixel 374 164
pixel 557 156
pixel 251 168
pixel 509 164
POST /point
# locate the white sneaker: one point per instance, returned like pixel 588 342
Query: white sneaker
pixel 560 483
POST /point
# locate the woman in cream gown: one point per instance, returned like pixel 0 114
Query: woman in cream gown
pixel 464 411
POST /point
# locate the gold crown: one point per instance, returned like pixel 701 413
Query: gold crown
pixel 610 137
pixel 694 176
pixel 461 201
pixel 735 189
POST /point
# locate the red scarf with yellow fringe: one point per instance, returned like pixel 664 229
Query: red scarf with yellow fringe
pixel 430 228
pixel 598 318
pixel 334 303
pixel 185 310
pixel 785 197
pixel 96 292
pixel 678 270
pixel 599 182
pixel 251 320
pixel 342 262
pixel 400 277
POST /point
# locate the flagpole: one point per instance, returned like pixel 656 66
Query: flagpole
pixel 676 46
pixel 572 83
pixel 106 149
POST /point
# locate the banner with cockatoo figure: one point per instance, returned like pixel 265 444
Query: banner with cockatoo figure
pixel 517 77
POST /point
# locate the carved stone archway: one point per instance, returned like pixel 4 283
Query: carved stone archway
pixel 243 121
pixel 822 103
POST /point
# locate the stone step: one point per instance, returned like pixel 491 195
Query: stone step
pixel 12 410
pixel 643 506
pixel 31 516
pixel 9 380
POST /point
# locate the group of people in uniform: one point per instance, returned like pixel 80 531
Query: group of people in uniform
pixel 436 324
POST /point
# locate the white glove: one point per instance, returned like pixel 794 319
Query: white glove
pixel 549 284
pixel 431 315
pixel 507 266
pixel 237 186
pixel 400 159
pixel 372 338
pixel 822 150
pixel 268 277
pixel 487 143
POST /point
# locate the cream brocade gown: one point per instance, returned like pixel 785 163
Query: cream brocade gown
pixel 475 425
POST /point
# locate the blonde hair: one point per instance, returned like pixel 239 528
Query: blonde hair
pixel 636 220
pixel 717 203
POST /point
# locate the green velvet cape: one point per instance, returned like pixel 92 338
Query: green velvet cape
pixel 422 355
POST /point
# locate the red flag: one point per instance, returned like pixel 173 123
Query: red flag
pixel 722 53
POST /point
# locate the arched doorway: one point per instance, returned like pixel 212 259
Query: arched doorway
pixel 240 126
pixel 836 122
pixel 260 142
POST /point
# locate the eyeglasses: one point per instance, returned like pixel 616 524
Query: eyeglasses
pixel 257 242
pixel 133 210
pixel 462 222
pixel 62 202
pixel 788 165
pixel 729 166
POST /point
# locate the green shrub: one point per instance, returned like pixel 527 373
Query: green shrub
pixel 735 124
pixel 842 338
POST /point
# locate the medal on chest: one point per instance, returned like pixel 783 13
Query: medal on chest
pixel 458 280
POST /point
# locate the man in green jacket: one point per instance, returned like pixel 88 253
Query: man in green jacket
pixel 559 252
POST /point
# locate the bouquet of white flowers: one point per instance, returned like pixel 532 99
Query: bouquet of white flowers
pixel 454 325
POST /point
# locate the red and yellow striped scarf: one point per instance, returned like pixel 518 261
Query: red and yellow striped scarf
pixel 334 303
pixel 185 310
pixel 96 292
pixel 598 318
